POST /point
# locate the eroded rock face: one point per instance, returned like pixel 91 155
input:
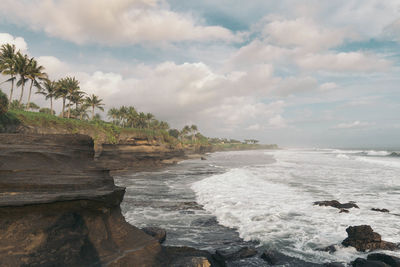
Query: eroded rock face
pixel 363 238
pixel 156 232
pixel 58 208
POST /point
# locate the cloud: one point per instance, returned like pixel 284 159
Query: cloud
pixel 304 33
pixel 392 31
pixel 117 22
pixel 328 86
pixel 19 42
pixel 354 124
pixel 344 62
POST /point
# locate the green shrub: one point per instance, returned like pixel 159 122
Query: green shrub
pixel 47 111
pixel 3 103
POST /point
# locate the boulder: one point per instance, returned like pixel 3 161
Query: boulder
pixel 158 233
pixel 388 259
pixel 222 256
pixel 363 238
pixel 331 249
pixel 190 262
pixel 344 211
pixel 360 262
pixel 337 204
pixel 334 264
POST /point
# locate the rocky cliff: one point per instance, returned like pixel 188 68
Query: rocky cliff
pixel 58 208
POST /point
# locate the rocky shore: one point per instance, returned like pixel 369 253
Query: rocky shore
pixel 58 206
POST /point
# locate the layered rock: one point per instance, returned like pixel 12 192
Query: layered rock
pixel 138 155
pixel 58 208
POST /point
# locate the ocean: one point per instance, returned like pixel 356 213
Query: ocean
pixel 264 198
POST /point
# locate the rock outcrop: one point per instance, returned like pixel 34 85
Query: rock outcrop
pixel 58 208
pixel 363 238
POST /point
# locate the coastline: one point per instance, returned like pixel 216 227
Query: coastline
pixel 52 182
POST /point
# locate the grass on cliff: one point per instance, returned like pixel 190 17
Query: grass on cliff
pixel 99 130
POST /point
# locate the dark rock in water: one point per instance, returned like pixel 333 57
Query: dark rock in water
pixel 273 257
pixel 337 204
pixel 388 259
pixel 359 262
pixel 203 158
pixel 331 249
pixel 204 222
pixel 394 154
pixel 363 238
pixel 187 257
pixel 222 256
pixel 380 210
pixel 334 264
pixel 344 211
pixel 158 233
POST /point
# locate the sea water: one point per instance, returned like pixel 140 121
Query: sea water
pixel 267 197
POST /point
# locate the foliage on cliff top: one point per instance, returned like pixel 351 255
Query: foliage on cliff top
pixel 3 103
pixel 97 129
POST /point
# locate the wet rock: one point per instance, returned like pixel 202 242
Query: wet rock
pixel 394 154
pixel 158 233
pixel 203 158
pixel 331 249
pixel 363 238
pixel 222 256
pixel 190 262
pixel 380 210
pixel 359 262
pixel 388 259
pixel 343 211
pixel 337 204
pixel 334 264
pixel 273 257
pixel 187 257
pixel 205 222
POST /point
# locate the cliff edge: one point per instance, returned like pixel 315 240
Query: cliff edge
pixel 58 208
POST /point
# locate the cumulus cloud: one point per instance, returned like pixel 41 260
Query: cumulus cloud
pixel 111 22
pixel 304 33
pixel 19 42
pixel 354 124
pixel 343 62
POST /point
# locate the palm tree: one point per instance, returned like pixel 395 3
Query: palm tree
pixel 131 116
pixel 77 98
pixel 7 65
pixel 94 102
pixel 67 87
pixel 149 118
pixel 113 114
pixel 49 90
pixel 61 92
pixel 194 130
pixel 22 68
pixel 36 74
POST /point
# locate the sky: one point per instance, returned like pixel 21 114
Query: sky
pixel 314 73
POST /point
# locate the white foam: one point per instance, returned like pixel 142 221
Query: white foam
pixel 273 204
pixel 377 153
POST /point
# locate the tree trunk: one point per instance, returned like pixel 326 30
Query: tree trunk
pixel 51 105
pixel 12 89
pixel 29 96
pixel 69 109
pixel 22 94
pixel 63 108
pixel 92 112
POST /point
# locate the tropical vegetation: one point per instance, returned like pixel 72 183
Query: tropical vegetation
pixel 22 72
